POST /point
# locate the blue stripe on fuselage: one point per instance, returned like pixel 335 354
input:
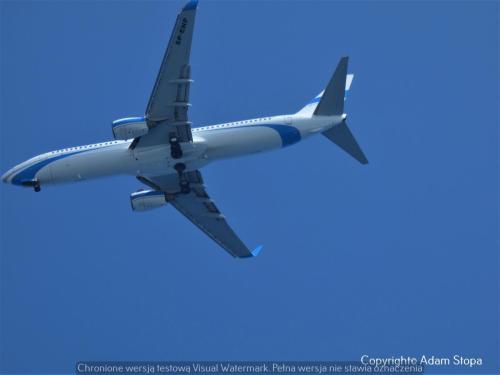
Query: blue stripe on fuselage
pixel 288 134
pixel 29 173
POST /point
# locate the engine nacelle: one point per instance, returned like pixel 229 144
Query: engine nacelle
pixel 145 200
pixel 129 127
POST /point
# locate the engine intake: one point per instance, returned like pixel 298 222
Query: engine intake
pixel 129 127
pixel 145 200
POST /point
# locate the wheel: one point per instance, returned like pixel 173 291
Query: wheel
pixel 37 188
pixel 175 149
pixel 185 189
pixel 176 153
pixel 180 167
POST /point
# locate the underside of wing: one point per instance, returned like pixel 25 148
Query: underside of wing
pixel 201 211
pixel 166 113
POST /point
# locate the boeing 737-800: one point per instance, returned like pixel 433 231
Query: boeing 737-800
pixel 164 152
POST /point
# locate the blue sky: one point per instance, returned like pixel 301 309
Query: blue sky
pixel 399 257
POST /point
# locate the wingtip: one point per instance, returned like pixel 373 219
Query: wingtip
pixel 257 250
pixel 191 5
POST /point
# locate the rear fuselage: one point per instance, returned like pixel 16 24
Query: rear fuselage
pixel 210 143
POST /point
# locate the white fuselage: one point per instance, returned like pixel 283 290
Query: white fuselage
pixel 210 143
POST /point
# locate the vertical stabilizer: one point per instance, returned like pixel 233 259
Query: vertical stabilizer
pixel 332 100
pixel 310 108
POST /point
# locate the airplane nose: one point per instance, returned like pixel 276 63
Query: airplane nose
pixel 5 177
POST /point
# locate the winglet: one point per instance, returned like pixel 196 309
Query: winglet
pixel 191 5
pixel 257 250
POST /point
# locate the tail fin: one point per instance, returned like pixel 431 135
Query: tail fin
pixel 322 102
pixel 332 100
pixel 331 103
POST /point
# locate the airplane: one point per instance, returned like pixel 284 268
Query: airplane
pixel 165 153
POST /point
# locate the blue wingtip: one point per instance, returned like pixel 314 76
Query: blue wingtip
pixel 257 250
pixel 191 5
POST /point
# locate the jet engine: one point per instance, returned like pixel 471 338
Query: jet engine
pixel 129 127
pixel 144 200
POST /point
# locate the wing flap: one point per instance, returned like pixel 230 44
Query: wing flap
pixel 167 110
pixel 202 211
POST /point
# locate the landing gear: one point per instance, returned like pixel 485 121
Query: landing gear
pixel 183 182
pixel 185 189
pixel 175 148
pixel 180 168
pixel 35 184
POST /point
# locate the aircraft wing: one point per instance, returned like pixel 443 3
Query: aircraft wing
pixel 201 211
pixel 168 105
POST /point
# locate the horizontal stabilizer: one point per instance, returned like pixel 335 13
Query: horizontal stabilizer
pixel 342 137
pixel 197 207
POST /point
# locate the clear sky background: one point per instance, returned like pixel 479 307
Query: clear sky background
pixel 399 257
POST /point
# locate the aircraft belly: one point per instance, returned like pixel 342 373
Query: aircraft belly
pixel 45 174
pixel 87 165
pixel 157 160
pixel 152 160
pixel 226 143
